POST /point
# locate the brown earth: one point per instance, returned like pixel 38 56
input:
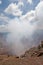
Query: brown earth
pixel 12 60
pixel 34 56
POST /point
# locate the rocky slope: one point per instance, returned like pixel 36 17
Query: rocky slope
pixel 34 56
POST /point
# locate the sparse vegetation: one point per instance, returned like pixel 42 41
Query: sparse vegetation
pixel 0 44
pixel 42 44
pixel 39 47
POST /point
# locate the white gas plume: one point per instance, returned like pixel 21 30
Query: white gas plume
pixel 26 31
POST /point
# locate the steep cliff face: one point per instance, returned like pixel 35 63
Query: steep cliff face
pixel 35 51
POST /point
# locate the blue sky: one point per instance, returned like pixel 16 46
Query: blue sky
pixel 18 9
pixel 11 9
pixel 27 6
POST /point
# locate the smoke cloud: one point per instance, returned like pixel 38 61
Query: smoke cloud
pixel 26 31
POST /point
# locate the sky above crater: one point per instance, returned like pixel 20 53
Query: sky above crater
pixel 23 6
